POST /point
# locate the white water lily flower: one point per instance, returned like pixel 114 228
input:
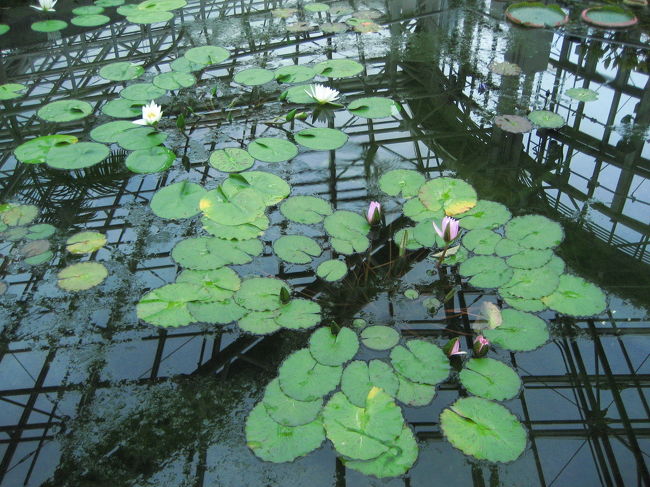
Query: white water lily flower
pixel 322 94
pixel 151 114
pixel 45 5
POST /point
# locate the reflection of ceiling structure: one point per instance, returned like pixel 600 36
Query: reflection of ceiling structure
pixel 80 374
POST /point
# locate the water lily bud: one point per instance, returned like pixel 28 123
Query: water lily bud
pixel 449 230
pixel 481 346
pixel 285 297
pixel 302 116
pixel 374 213
pixel 452 348
pixel 291 115
pixel 283 95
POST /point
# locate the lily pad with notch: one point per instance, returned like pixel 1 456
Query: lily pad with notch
pixel 288 411
pixel 178 200
pixel 379 337
pixel 519 331
pixel 420 361
pixel 306 209
pixel 374 107
pixel 513 124
pixel 489 378
pixel 360 377
pixel 220 284
pixel 107 133
pixel 216 312
pixel 332 349
pixel 174 80
pixel 294 74
pixel 454 196
pixel 205 253
pixel 486 271
pixel 167 305
pixel 271 149
pixel 82 276
pixel 254 76
pixel 231 159
pixel 582 94
pixel 147 161
pixel 35 151
pixel 404 181
pixel 142 92
pixel 303 378
pixel 320 138
pixel 576 297
pixel 85 242
pixel 65 110
pixel 122 108
pixel 77 156
pixel 140 138
pixel 339 68
pixel 332 270
pixel 244 206
pixel 121 71
pixel 261 293
pixel 271 188
pixel 296 249
pixel 207 55
pixel 245 231
pixel 9 91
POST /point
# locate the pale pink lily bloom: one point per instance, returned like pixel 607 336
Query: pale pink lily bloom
pixel 449 230
pixel 455 350
pixel 374 212
pixel 481 346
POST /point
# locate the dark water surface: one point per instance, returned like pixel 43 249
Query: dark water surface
pixel 91 396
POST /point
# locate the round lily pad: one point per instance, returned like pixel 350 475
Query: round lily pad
pixel 270 149
pixel 333 27
pixel 404 181
pixel 483 429
pixel 533 283
pixel 207 55
pixel 321 138
pixel 534 232
pixel 40 231
pixel 513 124
pixel 486 271
pixel 85 242
pixel 338 68
pixel 346 225
pixel 536 14
pixel 271 188
pixel 34 248
pixel 481 241
pixel 140 138
pixel 121 108
pixel 393 463
pixel 304 379
pixel 416 211
pixel 286 410
pixel 253 77
pixel 261 293
pixel 167 305
pixel 88 10
pixel 273 442
pixel 530 258
pixel 582 94
pixel 486 214
pixel 14 234
pixel 77 156
pixel 454 196
pixel 142 92
pixel 610 16
pixel 204 253
pixel 244 206
pixel 332 349
pixel 244 231
pixel 576 297
pixel 374 107
pixel 109 3
pixel 51 25
pixel 546 119
pixel 183 65
pixel 298 94
pixel 379 337
pixel 40 258
pixel 298 314
pixel 489 378
pixel 231 159
pixel 360 377
pixel 161 5
pixel 11 90
pixel 174 80
pixel 316 7
pixel 154 159
pixel 296 249
pixel 518 331
pixel 150 17
pixel 107 133
pixel 17 215
pixel 220 284
pixel 90 20
pixel 506 247
pixel 332 270
pixel 121 71
pixel 421 362
pixel 294 74
pixel 65 110
pixel 259 323
pixel 505 68
pixel 306 209
pixel 216 312
pixel 82 276
pixel 178 200
pixel 35 151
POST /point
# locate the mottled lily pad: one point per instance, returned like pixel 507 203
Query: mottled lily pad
pixel 486 214
pixel 505 68
pixel 85 242
pixel 204 253
pixel 546 119
pixel 582 94
pixel 452 195
pixel 404 181
pixel 536 14
pixel 576 297
pixel 167 305
pixel 513 124
pixel 82 276
pixel 534 232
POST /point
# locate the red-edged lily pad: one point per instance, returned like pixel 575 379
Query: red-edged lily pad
pixel 536 14
pixel 610 16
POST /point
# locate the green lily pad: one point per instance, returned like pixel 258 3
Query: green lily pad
pixel 14 234
pixel 245 206
pixel 362 433
pixel 216 312
pixel 316 7
pixel 174 80
pixel 416 211
pixel 576 297
pixel 360 377
pixel 82 276
pixel 34 248
pixel 332 270
pixel 183 65
pixel 304 379
pixel 286 410
pixel 109 3
pixel 380 337
pixel 582 94
pixel 142 92
pixel 121 71
pixel 178 200
pixel 270 149
pixel 231 159
pixel 506 247
pixel 146 18
pixel 296 249
pixel 489 378
pixel 413 393
pixel 85 242
pixel 298 314
pixel 140 138
pixel 346 225
pixel 321 138
pixel 107 133
pixel 77 156
pixel 486 214
pixel 254 77
pixel 65 110
pixel 261 294
pixel 121 108
pixel 404 181
pixel 546 119
pixel 486 271
pixel 519 331
pixel 17 215
pixel 244 231
pixel 306 209
pixel 530 258
pixel 11 90
pixel 4 28
pixel 220 284
pixel 421 362
pixel 536 14
pixel 330 349
pixel 374 107
pixel 90 20
pixel 88 10
pixel 271 188
pixel 483 429
pixel 167 305
pixel 350 246
pixel 534 232
pixel 532 283
pixel 40 231
pixel 51 25
pixel 454 196
pixel 425 235
pixel 154 159
pixel 294 74
pixel 400 457
pixel 407 236
pixel 161 5
pixel 207 55
pixel 523 304
pixel 259 323
pixel 40 258
pixel 276 443
pixel 481 241
pixel 298 94
pixel 338 68
pixel 35 151
pixel 205 253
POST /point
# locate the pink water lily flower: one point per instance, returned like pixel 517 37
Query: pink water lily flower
pixel 449 230
pixel 481 346
pixel 374 212
pixel 455 350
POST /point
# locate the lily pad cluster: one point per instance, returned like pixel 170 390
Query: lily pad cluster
pixel 31 242
pixel 328 18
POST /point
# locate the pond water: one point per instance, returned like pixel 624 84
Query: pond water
pixel 146 352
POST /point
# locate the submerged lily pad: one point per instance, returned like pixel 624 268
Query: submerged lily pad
pixel 121 71
pixel 339 68
pixel 206 55
pixel 582 94
pixel 513 124
pixel 303 378
pixel 489 378
pixel 167 305
pixel 77 156
pixel 332 349
pixel 519 331
pixel 360 377
pixel 16 215
pixel 65 110
pixel 253 77
pixel 452 195
pixel 85 242
pixel 483 429
pixel 286 410
pixel 204 253
pixel 380 337
pixel 270 149
pixel 321 138
pixel 35 151
pixel 154 159
pixel 9 91
pixel 306 209
pixel 231 159
pixel 273 442
pixel 404 181
pixel 536 14
pixel 546 119
pixel 576 297
pixel 178 200
pixel 82 276
pixel 374 107
pixel 420 361
pixel 332 270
